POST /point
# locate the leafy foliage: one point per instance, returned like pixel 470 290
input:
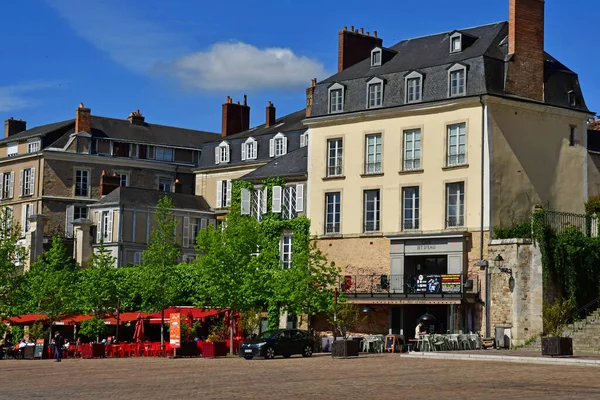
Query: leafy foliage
pixel 38 331
pixel 519 230
pixel 348 318
pixel 12 257
pixel 97 286
pixel 592 206
pixel 556 315
pixel 94 327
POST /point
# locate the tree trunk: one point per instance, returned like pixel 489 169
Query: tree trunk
pixel 231 322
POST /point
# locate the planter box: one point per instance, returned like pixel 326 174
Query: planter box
pixel 187 349
pixel 557 346
pixel 216 349
pixel 94 350
pixel 28 352
pixel 352 347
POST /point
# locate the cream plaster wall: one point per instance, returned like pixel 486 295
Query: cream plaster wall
pixel 206 182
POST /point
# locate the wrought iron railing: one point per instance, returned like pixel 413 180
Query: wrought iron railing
pixel 412 164
pixel 332 228
pixel 373 168
pixel 559 221
pixel 455 222
pixel 417 285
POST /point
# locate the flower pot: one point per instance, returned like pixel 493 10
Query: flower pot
pixel 351 346
pixel 187 349
pixel 214 349
pixel 557 346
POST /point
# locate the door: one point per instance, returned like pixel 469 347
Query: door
pixel 298 341
pixel 282 343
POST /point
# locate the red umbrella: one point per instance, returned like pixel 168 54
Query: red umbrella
pixel 138 336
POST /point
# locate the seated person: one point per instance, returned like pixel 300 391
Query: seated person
pixel 420 330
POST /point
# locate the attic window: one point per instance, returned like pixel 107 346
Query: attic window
pixel 376 57
pixel 278 145
pixel 572 98
pixel 374 93
pixel 457 80
pixel 336 98
pixel 455 43
pixel 222 153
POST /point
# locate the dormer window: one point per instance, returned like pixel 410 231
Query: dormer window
pixel 376 57
pixel 278 145
pixel 414 86
pixel 336 99
pixel 304 139
pixel 455 43
pixel 249 149
pixel 222 153
pixel 374 93
pixel 457 80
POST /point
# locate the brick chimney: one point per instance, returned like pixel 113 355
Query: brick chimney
pixel 136 118
pixel 309 96
pixel 236 117
pixel 355 46
pixel 14 126
pixel 83 119
pixel 108 183
pixel 525 66
pixel 270 120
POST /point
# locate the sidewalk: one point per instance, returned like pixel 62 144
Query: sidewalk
pixel 515 356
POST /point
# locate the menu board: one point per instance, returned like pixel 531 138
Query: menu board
pixel 39 348
pixel 451 283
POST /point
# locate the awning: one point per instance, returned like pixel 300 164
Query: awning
pixel 26 319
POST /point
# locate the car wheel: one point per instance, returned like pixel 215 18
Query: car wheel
pixel 248 358
pixel 270 353
pixel 308 350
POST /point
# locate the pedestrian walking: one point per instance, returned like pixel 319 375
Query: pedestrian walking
pixel 58 343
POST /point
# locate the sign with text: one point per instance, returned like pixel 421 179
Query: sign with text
pixel 39 348
pixel 429 284
pixel 451 283
pixel 175 330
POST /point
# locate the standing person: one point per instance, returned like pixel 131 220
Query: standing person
pixel 58 343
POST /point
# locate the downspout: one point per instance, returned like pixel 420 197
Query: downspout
pixel 488 297
pixel 120 237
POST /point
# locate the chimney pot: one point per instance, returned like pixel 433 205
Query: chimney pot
pixel 374 33
pixel 237 102
pixel 270 119
pixel 245 100
pixel 13 126
pixel 345 28
pixel 83 119
pixel 368 34
pixel 352 28
pixel 235 117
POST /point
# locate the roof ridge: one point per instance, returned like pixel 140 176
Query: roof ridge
pixel 165 126
pixel 446 32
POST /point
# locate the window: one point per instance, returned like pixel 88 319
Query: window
pixel 334 157
pixel 410 212
pixel 80 212
pixel 26 212
pixel 249 149
pixel 222 153
pixel 376 57
pixel 73 213
pixel 292 201
pixel 571 98
pixel 336 98
pixel 332 212
pixel 163 153
pixel 106 225
pixel 304 139
pixel 27 182
pixel 137 258
pixel 372 210
pixel 165 184
pixel 455 205
pixel 123 179
pixel 82 178
pixel 572 130
pixel 198 224
pixel 412 149
pixel 33 146
pixel 457 137
pixel 286 251
pixel 373 154
pixel 7 180
pixel 455 43
pixel 374 93
pixel 120 149
pixel 278 145
pixel 457 81
pixel 223 193
pixel 413 84
pixel 12 149
pixel 6 219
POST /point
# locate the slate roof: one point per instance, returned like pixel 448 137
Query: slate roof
pixel 430 56
pixel 292 165
pixel 131 196
pixel 57 134
pixel 291 125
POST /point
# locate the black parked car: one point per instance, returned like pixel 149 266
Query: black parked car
pixel 280 342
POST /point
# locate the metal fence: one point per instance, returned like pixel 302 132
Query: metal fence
pixel 559 221
pixel 407 285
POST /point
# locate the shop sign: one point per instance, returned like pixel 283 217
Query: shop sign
pixel 175 330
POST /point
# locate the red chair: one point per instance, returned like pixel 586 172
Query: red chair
pixel 125 350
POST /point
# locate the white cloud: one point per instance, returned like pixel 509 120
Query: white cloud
pixel 17 97
pixel 241 66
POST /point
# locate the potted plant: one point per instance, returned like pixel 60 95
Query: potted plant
pixel 188 347
pixel 94 327
pixel 214 346
pixel 555 317
pixel 348 317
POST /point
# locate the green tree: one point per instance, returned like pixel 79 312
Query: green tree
pixel 12 257
pixel 159 260
pixel 97 286
pixel 94 327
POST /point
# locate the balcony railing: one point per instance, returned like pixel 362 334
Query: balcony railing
pixel 412 164
pixel 373 168
pixel 371 226
pixel 334 170
pixel 332 228
pixel 455 222
pixel 419 285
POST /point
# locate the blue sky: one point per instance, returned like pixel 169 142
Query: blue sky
pixel 177 60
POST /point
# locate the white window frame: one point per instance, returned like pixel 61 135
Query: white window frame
pixel 87 182
pixel 249 149
pixel 304 139
pixel 418 95
pixel 286 250
pixel 334 88
pixel 164 179
pixel 457 69
pixel 222 153
pixel 162 153
pixel 459 196
pixel 223 193
pixel 33 145
pixel 373 82
pixel 7 184
pixel 26 212
pixel 333 227
pixel 454 154
pixel 106 225
pixel 374 167
pixel 27 182
pixel 335 157
pixel 452 40
pixel 12 149
pixel 124 175
pixel 278 145
pixel 412 149
pixel 411 195
pixel 376 63
pixel 376 211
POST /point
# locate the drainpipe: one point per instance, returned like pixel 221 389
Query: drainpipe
pixel 488 297
pixel 120 236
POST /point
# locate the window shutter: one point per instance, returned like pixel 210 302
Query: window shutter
pixel 11 184
pixel 186 231
pixel 264 201
pixel 69 222
pixel 219 194
pixel 276 205
pixel 228 199
pixel 227 154
pixel 21 183
pixel 32 181
pixel 2 186
pixel 272 148
pixel 245 201
pixel 23 217
pixel 285 140
pixel 244 146
pixel 98 227
pixel 203 222
pixel 255 150
pixel 109 237
pixel 299 198
pixel 302 141
pixel 217 158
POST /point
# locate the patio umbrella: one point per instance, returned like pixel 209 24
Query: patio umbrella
pixel 138 335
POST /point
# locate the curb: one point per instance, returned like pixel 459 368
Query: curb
pixel 513 359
